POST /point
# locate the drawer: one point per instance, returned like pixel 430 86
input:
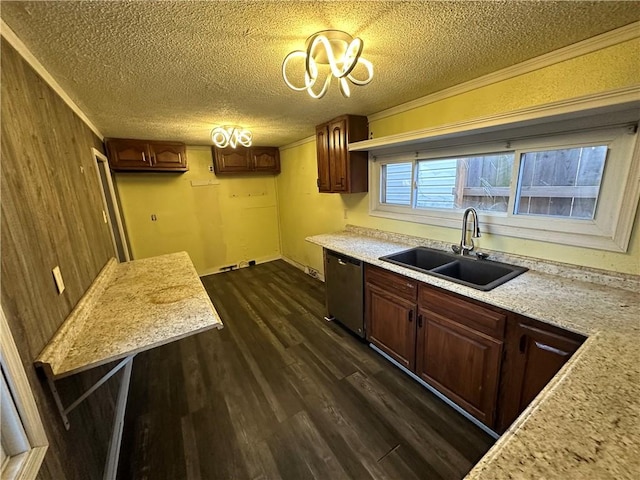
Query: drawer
pixel 392 282
pixel 465 312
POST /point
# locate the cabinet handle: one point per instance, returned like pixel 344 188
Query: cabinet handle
pixel 144 159
pixel 318 182
pixel 551 349
pixel 410 315
pixel 341 262
pixel 420 321
pixel 179 157
pixel 409 285
pixel 523 343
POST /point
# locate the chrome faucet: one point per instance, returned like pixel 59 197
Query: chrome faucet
pixel 464 248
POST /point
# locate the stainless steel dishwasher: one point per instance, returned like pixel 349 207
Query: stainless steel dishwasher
pixel 345 296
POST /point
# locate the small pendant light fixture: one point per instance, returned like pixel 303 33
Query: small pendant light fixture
pixel 229 136
pixel 337 49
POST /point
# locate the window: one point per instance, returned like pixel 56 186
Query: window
pixel 567 188
pixel 561 183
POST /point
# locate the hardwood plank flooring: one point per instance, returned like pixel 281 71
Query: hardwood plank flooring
pixel 280 393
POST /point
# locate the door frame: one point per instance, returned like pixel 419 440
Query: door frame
pixel 111 209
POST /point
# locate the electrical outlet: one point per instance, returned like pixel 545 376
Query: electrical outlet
pixel 57 276
pixel 153 217
pixel 312 272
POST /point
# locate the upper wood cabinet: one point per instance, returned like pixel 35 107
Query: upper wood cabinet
pixel 246 160
pixel 145 155
pixel 341 171
pixel 535 353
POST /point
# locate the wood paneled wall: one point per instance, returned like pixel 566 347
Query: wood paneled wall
pixel 51 215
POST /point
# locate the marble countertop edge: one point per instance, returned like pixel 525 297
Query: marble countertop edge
pixel 130 308
pixel 67 373
pixel 527 294
pixel 75 321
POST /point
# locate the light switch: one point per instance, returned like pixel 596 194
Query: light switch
pixel 57 276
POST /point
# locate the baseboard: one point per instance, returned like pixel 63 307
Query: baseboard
pixel 305 268
pixel 240 264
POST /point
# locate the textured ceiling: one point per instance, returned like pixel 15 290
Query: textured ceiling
pixel 173 70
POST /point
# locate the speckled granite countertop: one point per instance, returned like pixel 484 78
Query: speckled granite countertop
pixel 130 307
pixel 585 424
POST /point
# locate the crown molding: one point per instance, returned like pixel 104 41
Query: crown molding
pixel 13 40
pixel 298 143
pixel 608 39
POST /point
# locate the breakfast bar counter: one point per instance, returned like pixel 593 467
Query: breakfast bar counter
pixel 129 308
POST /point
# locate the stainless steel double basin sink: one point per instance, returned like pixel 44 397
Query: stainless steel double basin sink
pixel 477 273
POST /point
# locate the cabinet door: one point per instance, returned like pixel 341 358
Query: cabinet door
pixel 168 156
pixel 322 148
pixel 534 356
pixel 338 156
pixel 230 160
pixel 266 159
pixel 391 324
pixel 129 154
pixel 460 362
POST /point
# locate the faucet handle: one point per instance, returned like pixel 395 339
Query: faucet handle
pixel 482 255
pixel 456 249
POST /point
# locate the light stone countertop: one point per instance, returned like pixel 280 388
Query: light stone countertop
pixel 130 307
pixel 585 424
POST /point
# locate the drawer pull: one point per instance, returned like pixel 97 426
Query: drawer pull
pixel 144 159
pixel 410 285
pixel 410 315
pixel 420 321
pixel 551 349
pixel 341 262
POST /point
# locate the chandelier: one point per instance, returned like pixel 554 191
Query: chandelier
pixel 231 136
pixel 337 49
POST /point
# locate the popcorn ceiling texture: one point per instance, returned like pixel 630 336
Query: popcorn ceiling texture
pixel 173 70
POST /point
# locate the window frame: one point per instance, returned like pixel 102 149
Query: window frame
pixel 24 466
pixel 615 210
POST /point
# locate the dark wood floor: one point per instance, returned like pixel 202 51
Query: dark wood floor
pixel 280 393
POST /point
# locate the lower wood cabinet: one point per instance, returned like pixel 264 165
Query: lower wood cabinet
pixel 460 362
pixel 490 362
pixel 390 314
pixel 459 350
pixel 391 325
pixel 535 353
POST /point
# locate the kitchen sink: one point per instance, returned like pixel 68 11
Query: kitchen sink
pixel 420 258
pixel 476 273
